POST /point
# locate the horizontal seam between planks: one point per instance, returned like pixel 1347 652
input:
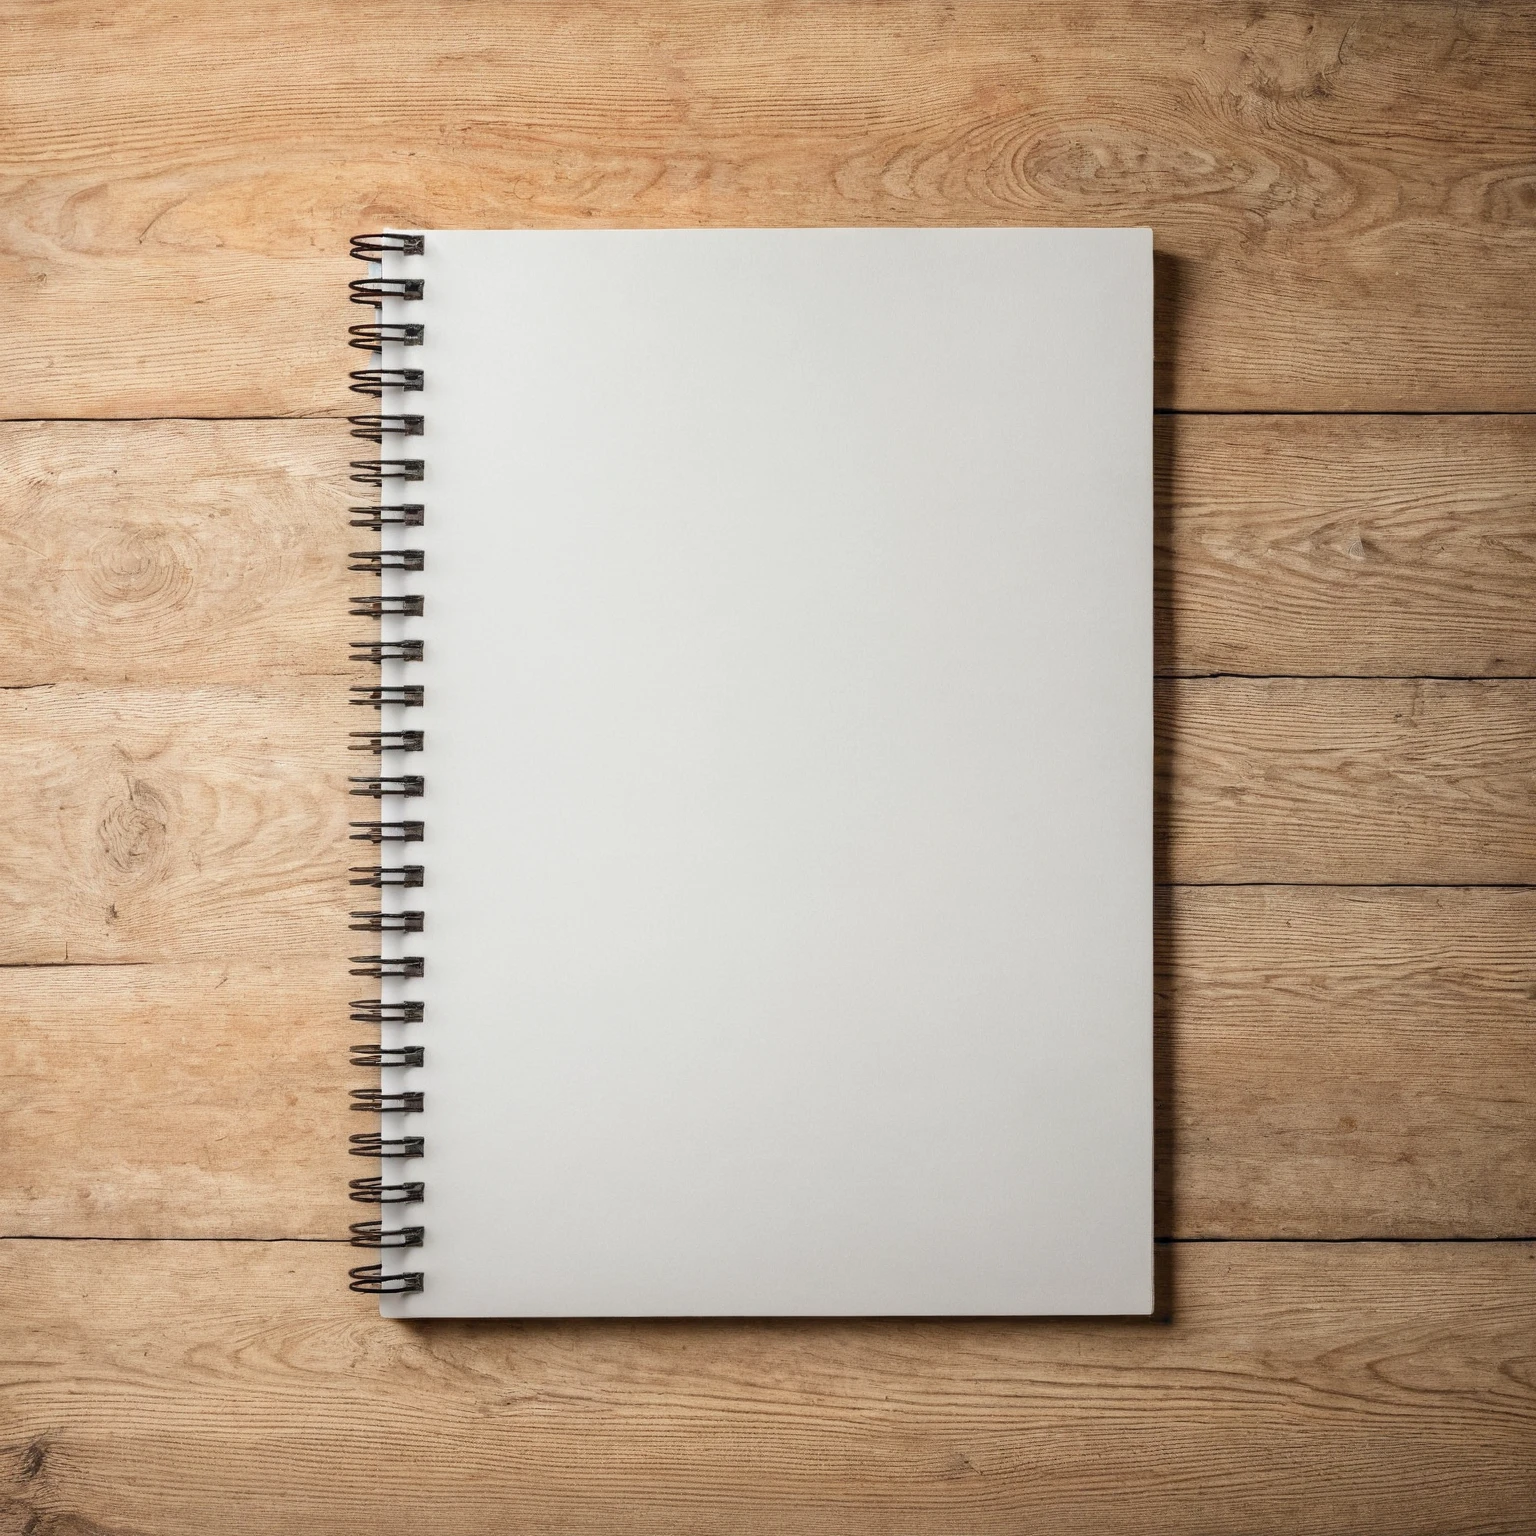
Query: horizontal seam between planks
pixel 1159 410
pixel 1346 677
pixel 1344 885
pixel 1161 1242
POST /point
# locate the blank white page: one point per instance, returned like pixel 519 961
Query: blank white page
pixel 788 811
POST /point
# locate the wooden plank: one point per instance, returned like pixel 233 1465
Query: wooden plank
pixel 1331 1063
pixel 1345 781
pixel 188 551
pixel 214 552
pixel 1338 196
pixel 200 1100
pixel 1360 545
pixel 150 824
pixel 1346 1063
pixel 185 1388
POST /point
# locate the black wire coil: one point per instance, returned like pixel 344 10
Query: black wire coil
pixel 377 381
pixel 387 831
pixel 396 967
pixel 388 922
pixel 378 876
pixel 371 247
pixel 369 1010
pixel 373 429
pixel 408 784
pixel 377 1192
pixel 370 1280
pixel 409 694
pixel 388 1056
pixel 386 471
pixel 407 515
pixel 371 1144
pixel 374 381
pixel 407 606
pixel 370 338
pixel 378 651
pixel 379 742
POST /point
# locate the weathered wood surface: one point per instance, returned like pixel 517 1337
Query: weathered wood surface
pixel 1361 545
pixel 1342 781
pixel 1340 196
pixel 214 552
pixel 187 1388
pixel 1341 203
pixel 1331 1063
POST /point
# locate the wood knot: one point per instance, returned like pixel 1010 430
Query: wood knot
pixel 132 829
pixel 139 567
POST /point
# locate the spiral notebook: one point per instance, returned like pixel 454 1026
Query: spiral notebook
pixel 754 776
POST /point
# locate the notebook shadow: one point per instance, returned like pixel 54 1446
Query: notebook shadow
pixel 1167 311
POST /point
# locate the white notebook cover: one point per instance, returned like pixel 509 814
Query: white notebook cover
pixel 788 811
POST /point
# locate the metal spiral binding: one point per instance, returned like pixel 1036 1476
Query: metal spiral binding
pixel 390 652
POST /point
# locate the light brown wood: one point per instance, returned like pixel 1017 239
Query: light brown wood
pixel 1331 1063
pixel 1373 545
pixel 198 1100
pixel 1346 1063
pixel 1347 781
pixel 186 551
pixel 185 1388
pixel 1341 211
pixel 145 552
pixel 1338 196
pixel 145 824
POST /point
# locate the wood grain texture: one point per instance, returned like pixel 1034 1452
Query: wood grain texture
pixel 159 824
pixel 188 551
pixel 1341 197
pixel 1331 1063
pixel 1346 1063
pixel 214 552
pixel 1343 781
pixel 1387 546
pixel 186 1388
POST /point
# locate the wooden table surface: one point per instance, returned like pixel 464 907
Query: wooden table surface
pixel 1344 203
